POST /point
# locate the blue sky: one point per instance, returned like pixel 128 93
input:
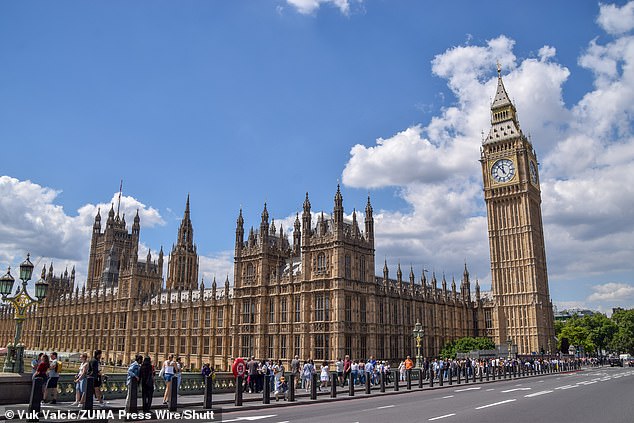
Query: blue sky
pixel 242 102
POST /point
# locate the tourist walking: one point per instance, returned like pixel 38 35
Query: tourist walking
pixel 80 380
pixel 133 373
pixel 295 371
pixel 325 375
pixel 53 378
pixel 146 379
pixel 94 372
pixel 307 372
pixel 167 371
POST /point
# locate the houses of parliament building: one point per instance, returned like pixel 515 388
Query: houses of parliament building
pixel 317 295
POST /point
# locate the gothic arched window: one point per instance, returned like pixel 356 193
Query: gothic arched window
pixel 321 262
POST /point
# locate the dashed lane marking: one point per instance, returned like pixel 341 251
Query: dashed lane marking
pixel 466 389
pixel 442 417
pixel 250 418
pixel 490 389
pixel 566 387
pixel 516 389
pixel 495 403
pixel 385 406
pixel 536 394
pixel 448 396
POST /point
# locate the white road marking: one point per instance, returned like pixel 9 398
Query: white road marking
pixel 516 389
pixel 250 418
pixel 448 396
pixel 385 406
pixel 567 387
pixel 535 394
pixel 466 389
pixel 540 381
pixel 442 417
pixel 494 404
pixel 490 389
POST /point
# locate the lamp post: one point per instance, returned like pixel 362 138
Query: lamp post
pixel 509 342
pixel 21 302
pixel 418 333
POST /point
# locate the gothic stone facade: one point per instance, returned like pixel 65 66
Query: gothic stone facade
pixel 317 297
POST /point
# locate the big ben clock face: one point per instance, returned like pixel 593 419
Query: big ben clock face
pixel 533 171
pixel 503 170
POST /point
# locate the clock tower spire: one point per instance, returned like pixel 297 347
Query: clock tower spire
pixel 519 278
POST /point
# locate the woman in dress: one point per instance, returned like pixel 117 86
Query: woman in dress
pixel 324 375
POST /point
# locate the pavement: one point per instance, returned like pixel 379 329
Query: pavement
pixel 455 403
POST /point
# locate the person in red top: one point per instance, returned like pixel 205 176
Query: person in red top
pixel 41 370
pixel 347 367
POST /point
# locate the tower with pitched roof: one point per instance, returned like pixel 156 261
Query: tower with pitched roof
pixel 523 310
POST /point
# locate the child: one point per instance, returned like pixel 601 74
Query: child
pixel 283 389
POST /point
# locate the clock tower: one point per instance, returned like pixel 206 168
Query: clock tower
pixel 523 313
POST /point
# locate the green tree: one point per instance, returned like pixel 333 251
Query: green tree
pixel 623 340
pixel 465 345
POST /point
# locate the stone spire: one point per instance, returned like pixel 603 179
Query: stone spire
pixel 504 122
pixel 369 221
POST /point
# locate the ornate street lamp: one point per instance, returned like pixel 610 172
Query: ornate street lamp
pixel 21 302
pixel 418 333
pixel 509 342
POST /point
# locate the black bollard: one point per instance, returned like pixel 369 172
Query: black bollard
pixel 131 400
pixel 514 372
pixel 408 377
pixel 333 384
pixel 420 378
pixel 368 387
pixel 493 372
pixel 239 391
pixel 173 399
pixel 35 402
pixel 440 375
pixel 486 369
pixel 351 386
pixel 466 376
pixel 90 393
pixel 382 382
pixel 313 386
pixel 458 376
pixel 505 372
pixel 450 376
pixel 291 388
pixel 266 392
pixel 396 380
pixel 208 395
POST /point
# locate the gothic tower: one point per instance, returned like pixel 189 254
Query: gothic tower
pixel 183 260
pixel 523 310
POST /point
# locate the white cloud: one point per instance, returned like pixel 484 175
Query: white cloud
pixel 616 20
pixel 218 266
pixel 613 292
pixel 586 154
pixel 307 7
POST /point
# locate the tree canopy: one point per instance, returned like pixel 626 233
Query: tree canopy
pixel 598 333
pixel 464 345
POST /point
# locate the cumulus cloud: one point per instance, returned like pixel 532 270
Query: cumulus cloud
pixel 616 20
pixel 308 7
pixel 586 154
pixel 612 292
pixel 30 221
pixel 218 266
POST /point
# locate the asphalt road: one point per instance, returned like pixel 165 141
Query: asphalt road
pixel 599 395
